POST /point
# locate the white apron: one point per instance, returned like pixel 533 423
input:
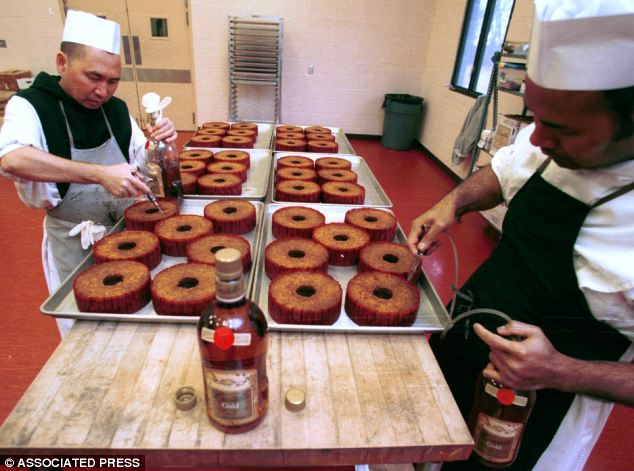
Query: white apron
pixel 62 253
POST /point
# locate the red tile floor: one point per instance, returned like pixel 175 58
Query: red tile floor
pixel 412 181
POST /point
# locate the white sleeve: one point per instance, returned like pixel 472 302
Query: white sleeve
pixel 616 309
pixel 21 128
pixel 137 152
pixel 515 164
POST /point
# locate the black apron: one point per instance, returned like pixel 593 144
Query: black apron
pixel 531 277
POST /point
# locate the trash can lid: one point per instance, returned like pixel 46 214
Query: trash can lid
pixel 402 98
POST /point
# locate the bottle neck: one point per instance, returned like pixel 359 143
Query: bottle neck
pixel 230 292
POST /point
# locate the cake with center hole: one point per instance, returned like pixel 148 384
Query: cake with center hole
pixel 185 289
pixel 231 216
pixel 235 156
pixel 381 225
pixel 295 161
pixel 312 298
pixel 386 257
pixel 290 173
pixel 138 246
pixel 205 156
pixel 294 254
pixel 219 184
pixel 343 242
pixel 204 249
pixel 381 299
pixel 342 193
pixel 178 231
pixel 301 191
pixel 296 221
pixel 120 287
pixel 143 215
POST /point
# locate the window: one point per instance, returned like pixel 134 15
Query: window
pixel 483 32
pixel 159 27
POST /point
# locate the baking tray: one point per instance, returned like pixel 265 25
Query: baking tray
pixel 62 302
pixel 256 186
pixel 263 140
pixel 340 138
pixel 432 315
pixel 374 194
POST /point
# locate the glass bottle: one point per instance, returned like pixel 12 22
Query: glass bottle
pixel 497 421
pixel 233 342
pixel 162 159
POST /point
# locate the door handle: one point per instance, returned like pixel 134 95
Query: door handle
pixel 126 50
pixel 137 50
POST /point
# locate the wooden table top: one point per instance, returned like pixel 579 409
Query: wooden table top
pixel 109 387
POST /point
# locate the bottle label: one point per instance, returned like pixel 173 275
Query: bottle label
pixel 493 390
pixel 156 176
pixel 496 440
pixel 239 339
pixel 232 396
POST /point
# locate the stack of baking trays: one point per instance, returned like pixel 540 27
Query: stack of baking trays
pixel 382 250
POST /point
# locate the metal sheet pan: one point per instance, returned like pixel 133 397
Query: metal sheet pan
pixel 263 140
pixel 62 302
pixel 432 315
pixel 374 194
pixel 340 138
pixel 257 183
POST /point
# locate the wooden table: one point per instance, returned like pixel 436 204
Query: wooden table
pixel 108 388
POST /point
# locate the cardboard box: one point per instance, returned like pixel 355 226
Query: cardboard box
pixel 9 78
pixel 508 127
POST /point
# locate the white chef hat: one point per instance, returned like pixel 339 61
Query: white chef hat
pixel 582 44
pixel 90 30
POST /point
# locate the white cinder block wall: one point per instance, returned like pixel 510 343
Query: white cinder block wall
pixel 360 50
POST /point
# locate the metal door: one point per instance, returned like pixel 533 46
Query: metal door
pixel 156 53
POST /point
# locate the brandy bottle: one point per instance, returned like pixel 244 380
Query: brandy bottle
pixel 233 343
pixel 497 421
pixel 162 159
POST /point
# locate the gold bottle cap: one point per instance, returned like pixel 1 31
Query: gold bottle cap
pixel 295 399
pixel 185 398
pixel 228 263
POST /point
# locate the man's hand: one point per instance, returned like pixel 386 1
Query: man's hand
pixel 164 130
pixel 121 181
pixel 422 238
pixel 532 363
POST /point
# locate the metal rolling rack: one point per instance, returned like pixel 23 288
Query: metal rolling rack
pixel 255 58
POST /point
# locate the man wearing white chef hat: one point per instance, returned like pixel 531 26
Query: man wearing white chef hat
pixel 564 266
pixel 71 147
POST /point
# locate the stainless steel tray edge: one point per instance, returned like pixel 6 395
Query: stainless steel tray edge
pixel 429 295
pixel 52 304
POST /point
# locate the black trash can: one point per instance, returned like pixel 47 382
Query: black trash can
pixel 402 120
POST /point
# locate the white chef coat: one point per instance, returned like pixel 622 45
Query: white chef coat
pixel 604 264
pixel 22 127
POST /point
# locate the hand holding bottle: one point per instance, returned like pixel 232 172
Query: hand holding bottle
pixel 164 130
pixel 530 364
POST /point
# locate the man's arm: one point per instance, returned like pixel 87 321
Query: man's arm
pixel 478 192
pixel 533 363
pixel 33 164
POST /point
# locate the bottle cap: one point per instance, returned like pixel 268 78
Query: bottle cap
pixel 228 263
pixel 185 398
pixel 295 399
